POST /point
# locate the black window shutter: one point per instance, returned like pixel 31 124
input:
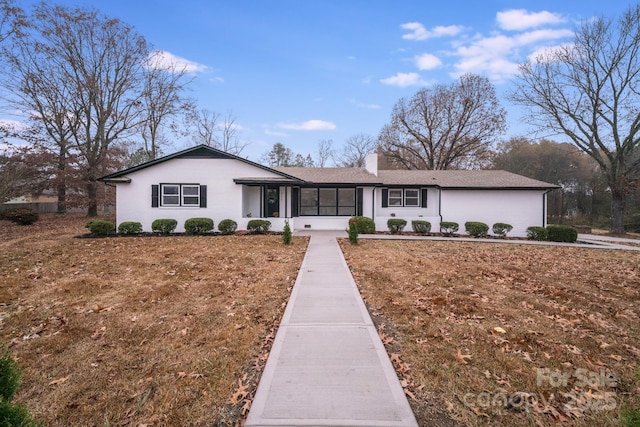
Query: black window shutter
pixel 203 196
pixel 424 197
pixel 155 196
pixel 385 198
pixel 295 197
pixel 359 197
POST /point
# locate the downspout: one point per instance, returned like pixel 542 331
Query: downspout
pixel 440 204
pixel 544 207
pixel 373 204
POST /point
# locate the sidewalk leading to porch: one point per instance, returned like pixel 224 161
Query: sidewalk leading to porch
pixel 328 366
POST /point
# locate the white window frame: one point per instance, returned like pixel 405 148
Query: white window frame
pixel 416 197
pixel 181 196
pixel 163 187
pixel 398 197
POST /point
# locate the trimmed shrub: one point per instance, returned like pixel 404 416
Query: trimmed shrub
pixel 99 227
pixel 396 225
pixel 11 414
pixel 537 233
pixel 22 216
pixel 562 233
pixel 353 231
pixel 198 225
pixel 258 226
pixel 447 228
pixel 476 229
pixel 420 226
pixel 164 226
pixel 227 226
pixel 286 233
pixel 365 225
pixel 130 227
pixel 501 229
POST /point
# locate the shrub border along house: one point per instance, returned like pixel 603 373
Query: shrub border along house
pixel 198 226
pixel 396 225
pixel 562 233
pixel 99 227
pixel 258 226
pixel 448 228
pixel 227 226
pixel 364 224
pixel 130 227
pixel 476 228
pixel 164 225
pixel 420 226
pixel 501 229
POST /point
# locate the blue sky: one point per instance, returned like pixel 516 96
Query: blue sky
pixel 299 71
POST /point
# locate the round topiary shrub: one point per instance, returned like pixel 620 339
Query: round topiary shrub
pixel 422 227
pixel 164 226
pixel 99 227
pixel 537 233
pixel 396 225
pixel 476 229
pixel 198 225
pixel 562 233
pixel 258 226
pixel 22 216
pixel 365 225
pixel 227 226
pixel 447 228
pixel 130 227
pixel 501 229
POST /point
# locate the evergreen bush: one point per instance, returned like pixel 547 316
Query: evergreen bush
pixel 422 227
pixel 198 225
pixel 227 226
pixel 537 233
pixel 476 229
pixel 501 229
pixel 22 216
pixel 447 228
pixel 286 233
pixel 396 225
pixel 562 233
pixel 164 225
pixel 99 227
pixel 130 227
pixel 258 226
pixel 365 225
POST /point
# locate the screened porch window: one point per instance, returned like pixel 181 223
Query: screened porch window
pixel 327 201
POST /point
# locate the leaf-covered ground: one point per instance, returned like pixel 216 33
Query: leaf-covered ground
pixel 508 335
pixel 141 330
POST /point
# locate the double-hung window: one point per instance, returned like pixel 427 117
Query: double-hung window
pixel 179 195
pixel 404 197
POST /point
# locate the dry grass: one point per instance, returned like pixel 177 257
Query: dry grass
pixel 140 330
pixel 476 318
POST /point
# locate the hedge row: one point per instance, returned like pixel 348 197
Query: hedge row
pixel 553 233
pixel 166 226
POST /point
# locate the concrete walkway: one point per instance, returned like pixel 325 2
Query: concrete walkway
pixel 328 366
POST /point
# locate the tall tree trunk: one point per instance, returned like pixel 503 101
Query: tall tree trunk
pixel 62 181
pixel 618 204
pixel 92 194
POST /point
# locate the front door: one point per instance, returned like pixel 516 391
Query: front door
pixel 272 201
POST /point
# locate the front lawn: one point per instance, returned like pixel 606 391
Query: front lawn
pixel 508 335
pixel 140 330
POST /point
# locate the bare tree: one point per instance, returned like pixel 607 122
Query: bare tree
pixel 204 124
pixel 12 19
pixel 229 140
pixel 100 61
pixel 325 152
pixel 444 127
pixel 355 150
pixel 589 92
pixel 162 99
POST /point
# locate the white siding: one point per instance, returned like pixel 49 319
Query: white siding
pixel 520 208
pixel 430 213
pixel 225 198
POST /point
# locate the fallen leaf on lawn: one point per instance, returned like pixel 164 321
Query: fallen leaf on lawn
pixel 462 357
pixel 499 330
pixel 98 333
pixel 238 327
pixel 58 381
pixel 616 357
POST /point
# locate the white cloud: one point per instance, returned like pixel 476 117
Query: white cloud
pixel 427 61
pixel 546 53
pixel 404 80
pixel 12 125
pixel 309 125
pixel 364 105
pixel 499 56
pixel 419 32
pixel 162 59
pixel 521 19
pixel 275 133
